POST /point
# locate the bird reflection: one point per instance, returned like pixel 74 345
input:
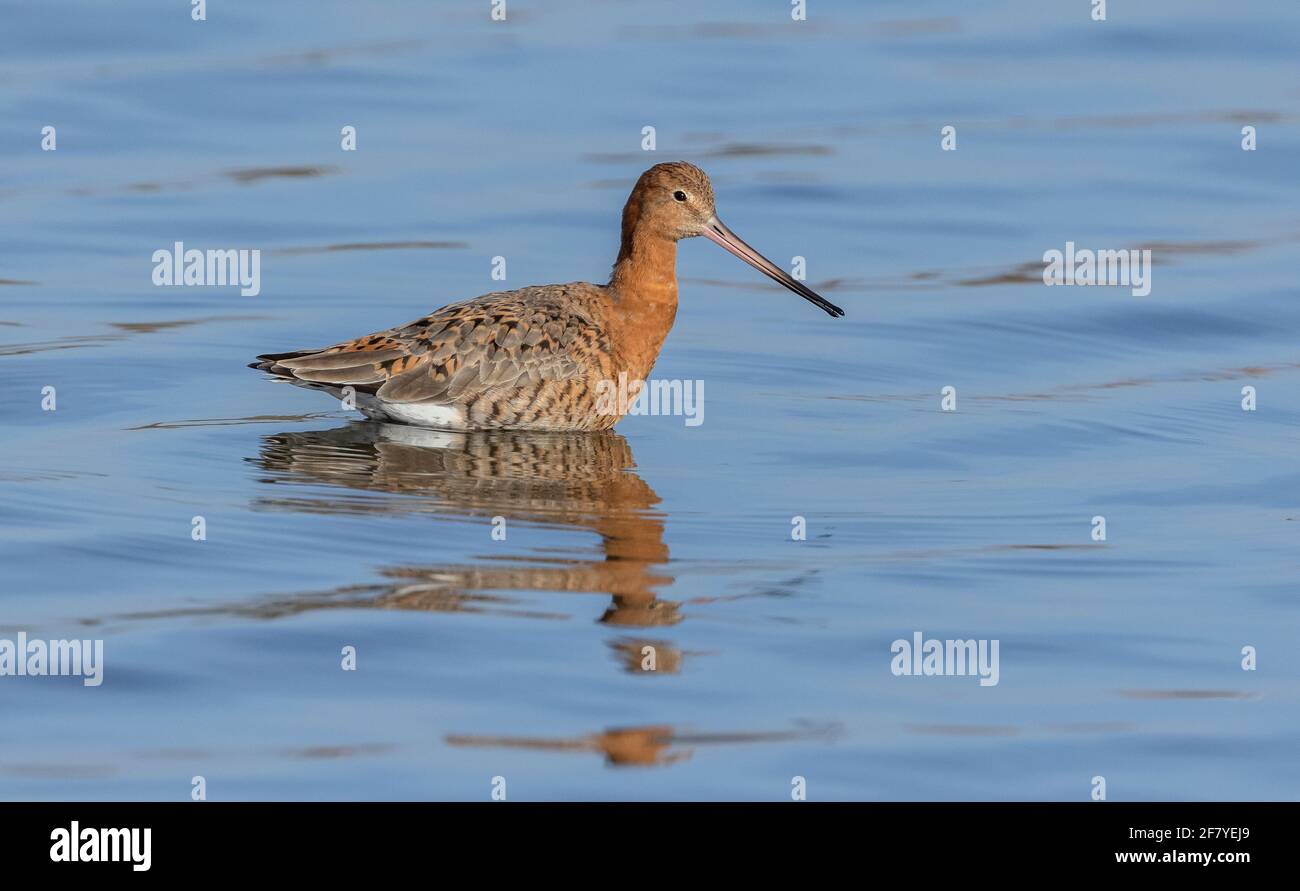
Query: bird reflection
pixel 583 481
pixel 622 747
pixel 656 745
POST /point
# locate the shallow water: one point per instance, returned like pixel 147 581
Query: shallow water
pixel 522 658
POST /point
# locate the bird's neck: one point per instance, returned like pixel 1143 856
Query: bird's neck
pixel 643 291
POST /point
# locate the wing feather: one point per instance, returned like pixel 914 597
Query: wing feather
pixel 508 339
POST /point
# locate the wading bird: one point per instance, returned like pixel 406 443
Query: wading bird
pixel 543 357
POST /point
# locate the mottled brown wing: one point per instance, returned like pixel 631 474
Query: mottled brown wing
pixel 457 352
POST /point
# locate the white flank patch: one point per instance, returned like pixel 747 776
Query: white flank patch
pixel 442 417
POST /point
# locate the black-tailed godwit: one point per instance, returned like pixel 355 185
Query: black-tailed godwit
pixel 534 358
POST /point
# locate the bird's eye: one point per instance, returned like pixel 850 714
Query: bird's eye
pixel 679 195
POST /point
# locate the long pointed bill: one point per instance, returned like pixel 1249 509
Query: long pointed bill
pixel 715 231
